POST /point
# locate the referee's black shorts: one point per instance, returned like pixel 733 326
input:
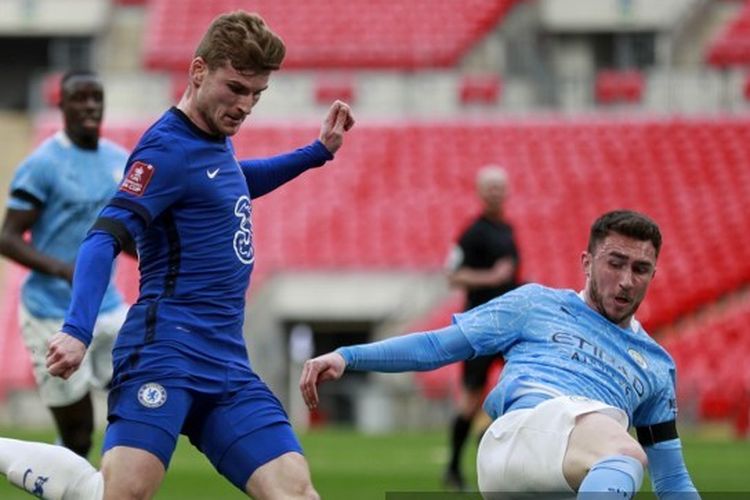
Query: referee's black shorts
pixel 476 370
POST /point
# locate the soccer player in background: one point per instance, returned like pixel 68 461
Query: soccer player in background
pixel 180 361
pixel 56 194
pixel 579 371
pixel 484 263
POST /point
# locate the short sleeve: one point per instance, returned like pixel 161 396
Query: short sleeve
pixel 154 180
pixel 660 407
pixel 496 325
pixel 31 184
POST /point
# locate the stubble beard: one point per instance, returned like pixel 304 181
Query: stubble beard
pixel 598 301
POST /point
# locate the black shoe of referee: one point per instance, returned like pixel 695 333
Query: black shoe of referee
pixel 453 480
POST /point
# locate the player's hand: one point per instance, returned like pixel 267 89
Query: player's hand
pixel 317 370
pixel 338 121
pixel 64 355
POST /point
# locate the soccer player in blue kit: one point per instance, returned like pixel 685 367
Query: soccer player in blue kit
pixel 180 361
pixel 56 194
pixel 580 370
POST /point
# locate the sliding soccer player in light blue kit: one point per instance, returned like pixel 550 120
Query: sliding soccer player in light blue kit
pixel 580 370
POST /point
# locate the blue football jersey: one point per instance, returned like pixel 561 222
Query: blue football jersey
pixel 196 253
pixel 69 186
pixel 555 344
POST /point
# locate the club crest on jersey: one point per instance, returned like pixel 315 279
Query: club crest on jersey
pixel 137 178
pixel 638 358
pixel 243 238
pixel 152 395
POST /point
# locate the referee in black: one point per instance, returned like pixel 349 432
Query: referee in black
pixel 484 263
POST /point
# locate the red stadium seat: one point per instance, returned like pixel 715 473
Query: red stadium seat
pixel 732 46
pixel 619 86
pixel 328 90
pixel 480 89
pixel 335 33
pixel 51 89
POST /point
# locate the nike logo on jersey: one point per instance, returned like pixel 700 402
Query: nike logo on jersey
pixel 212 173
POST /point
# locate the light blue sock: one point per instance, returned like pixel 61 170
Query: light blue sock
pixel 618 476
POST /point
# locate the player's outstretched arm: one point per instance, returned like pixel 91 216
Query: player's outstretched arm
pixel 263 175
pixel 420 351
pixel 668 472
pixel 338 121
pixel 327 367
pixel 64 355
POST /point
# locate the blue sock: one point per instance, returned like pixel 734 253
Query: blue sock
pixel 618 476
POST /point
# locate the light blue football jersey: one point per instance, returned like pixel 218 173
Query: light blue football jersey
pixel 70 186
pixel 555 344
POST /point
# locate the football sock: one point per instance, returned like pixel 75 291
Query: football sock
pixel 459 433
pixel 618 476
pixel 49 471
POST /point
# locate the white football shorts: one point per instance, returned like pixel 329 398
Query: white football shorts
pixel 95 370
pixel 523 450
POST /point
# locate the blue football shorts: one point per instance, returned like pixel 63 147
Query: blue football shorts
pixel 238 430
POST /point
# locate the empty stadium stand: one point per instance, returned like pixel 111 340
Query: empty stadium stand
pixel 711 356
pixel 335 33
pixel 732 46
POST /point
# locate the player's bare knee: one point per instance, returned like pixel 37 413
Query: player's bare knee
pixel 125 490
pixel 303 491
pixel 130 474
pixel 119 488
pixel 632 449
pixel 287 476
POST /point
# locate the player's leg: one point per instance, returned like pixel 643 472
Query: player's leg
pixel 49 471
pixel 602 457
pixel 287 476
pixel 543 449
pixel 473 380
pixel 68 400
pixel 145 418
pixel 248 438
pixel 131 473
pixel 75 424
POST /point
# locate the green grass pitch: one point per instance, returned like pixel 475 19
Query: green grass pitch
pixel 347 465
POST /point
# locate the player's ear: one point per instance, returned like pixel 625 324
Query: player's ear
pixel 586 259
pixel 198 71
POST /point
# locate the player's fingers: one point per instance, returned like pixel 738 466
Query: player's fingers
pixel 56 369
pixel 349 121
pixel 333 112
pixel 69 372
pixel 307 380
pixel 345 114
pixel 312 396
pixel 341 115
pixel 53 356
